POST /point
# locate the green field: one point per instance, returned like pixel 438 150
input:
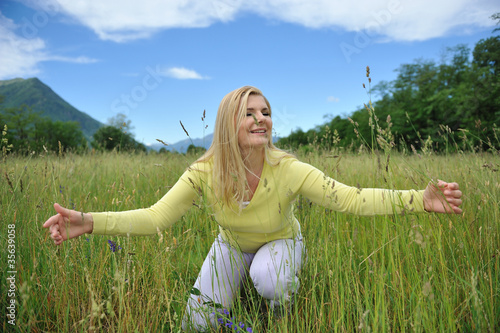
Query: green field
pixel 423 273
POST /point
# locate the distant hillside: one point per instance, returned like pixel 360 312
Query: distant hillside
pixel 182 146
pixel 42 98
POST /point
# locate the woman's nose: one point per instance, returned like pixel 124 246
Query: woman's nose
pixel 260 117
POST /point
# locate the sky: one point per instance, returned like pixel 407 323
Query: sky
pixel 165 62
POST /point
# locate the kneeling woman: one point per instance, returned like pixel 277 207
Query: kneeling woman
pixel 249 185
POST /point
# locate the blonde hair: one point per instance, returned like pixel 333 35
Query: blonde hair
pixel 229 177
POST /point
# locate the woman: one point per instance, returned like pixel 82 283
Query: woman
pixel 249 185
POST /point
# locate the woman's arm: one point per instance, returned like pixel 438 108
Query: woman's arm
pixel 68 224
pixel 323 190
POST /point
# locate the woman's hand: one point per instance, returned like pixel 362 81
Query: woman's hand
pixel 68 224
pixel 443 198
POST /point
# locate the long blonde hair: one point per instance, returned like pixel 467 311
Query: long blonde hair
pixel 229 177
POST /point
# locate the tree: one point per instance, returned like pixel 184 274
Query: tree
pixel 486 54
pixel 20 122
pixel 120 121
pixel 194 150
pixel 110 137
pixel 496 16
pixel 55 135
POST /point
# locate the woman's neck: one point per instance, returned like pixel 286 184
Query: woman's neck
pixel 254 161
pixel 254 164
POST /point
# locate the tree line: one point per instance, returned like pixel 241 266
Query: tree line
pixel 25 131
pixel 449 105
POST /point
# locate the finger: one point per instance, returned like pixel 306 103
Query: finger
pixel 441 184
pixel 455 202
pixel 54 233
pixel 50 221
pixel 453 194
pixel 61 210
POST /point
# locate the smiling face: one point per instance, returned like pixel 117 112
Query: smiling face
pixel 255 129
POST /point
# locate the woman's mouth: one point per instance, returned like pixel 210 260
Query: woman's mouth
pixel 259 131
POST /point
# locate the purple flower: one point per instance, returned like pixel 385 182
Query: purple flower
pixel 113 246
pixel 224 320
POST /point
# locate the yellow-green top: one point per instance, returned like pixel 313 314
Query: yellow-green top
pixel 269 215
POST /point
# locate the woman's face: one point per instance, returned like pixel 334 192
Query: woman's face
pixel 255 130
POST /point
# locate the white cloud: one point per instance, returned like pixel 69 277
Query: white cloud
pixel 404 20
pixel 182 73
pixel 332 99
pixel 77 60
pixel 21 55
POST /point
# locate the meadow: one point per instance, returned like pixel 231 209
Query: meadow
pixel 416 272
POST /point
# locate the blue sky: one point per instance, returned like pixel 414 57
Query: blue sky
pixel 161 62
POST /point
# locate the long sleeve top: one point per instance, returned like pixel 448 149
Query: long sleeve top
pixel 269 215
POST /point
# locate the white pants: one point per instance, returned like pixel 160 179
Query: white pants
pixel 273 269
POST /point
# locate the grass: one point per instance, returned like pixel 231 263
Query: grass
pixel 417 272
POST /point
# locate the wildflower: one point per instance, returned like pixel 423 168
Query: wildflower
pixel 113 246
pixel 223 320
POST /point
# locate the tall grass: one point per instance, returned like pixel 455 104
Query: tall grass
pixel 417 272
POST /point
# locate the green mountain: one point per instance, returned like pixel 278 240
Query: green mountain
pixel 43 99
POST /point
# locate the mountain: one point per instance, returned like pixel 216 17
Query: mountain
pixel 183 145
pixel 43 99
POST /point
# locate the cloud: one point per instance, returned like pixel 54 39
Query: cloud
pixel 332 99
pixel 77 60
pixel 125 20
pixel 182 73
pixel 21 55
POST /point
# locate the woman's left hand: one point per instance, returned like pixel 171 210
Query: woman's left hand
pixel 443 198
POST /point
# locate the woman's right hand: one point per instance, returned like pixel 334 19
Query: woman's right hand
pixel 68 224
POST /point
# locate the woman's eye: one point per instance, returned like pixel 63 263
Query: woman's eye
pixel 249 114
pixel 266 114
